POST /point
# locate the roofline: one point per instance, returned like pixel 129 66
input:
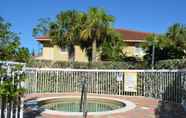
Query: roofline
pixel 43 40
pixel 136 31
pixel 41 37
pixel 134 41
pixel 46 38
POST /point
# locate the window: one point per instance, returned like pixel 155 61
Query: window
pixel 64 49
pixel 137 45
pixel 138 50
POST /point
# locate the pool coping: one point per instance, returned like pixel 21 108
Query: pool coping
pixel 129 106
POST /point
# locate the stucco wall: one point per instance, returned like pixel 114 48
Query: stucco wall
pixel 56 54
pixel 80 55
pixel 133 51
pixel 60 55
pixel 47 54
pixel 129 50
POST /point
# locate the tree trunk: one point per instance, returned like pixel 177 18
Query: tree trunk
pixel 71 54
pixel 94 51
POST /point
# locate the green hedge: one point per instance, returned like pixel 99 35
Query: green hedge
pixel 164 64
pixel 83 65
pixel 171 64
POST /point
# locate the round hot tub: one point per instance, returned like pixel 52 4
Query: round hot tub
pixel 73 105
pixel 70 105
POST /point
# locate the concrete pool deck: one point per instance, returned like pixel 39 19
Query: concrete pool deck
pixel 145 107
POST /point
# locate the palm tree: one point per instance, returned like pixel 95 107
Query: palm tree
pixel 177 35
pixel 154 46
pixel 65 31
pixel 94 30
pixel 111 48
pixel 171 45
pixel 42 28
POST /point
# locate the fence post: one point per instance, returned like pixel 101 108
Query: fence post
pixel 184 89
pixel 57 86
pixel 35 81
pixel 21 110
pixel 144 84
pixel 119 88
pixel 97 87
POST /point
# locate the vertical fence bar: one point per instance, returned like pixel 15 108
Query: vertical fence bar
pixel 97 86
pixel 35 82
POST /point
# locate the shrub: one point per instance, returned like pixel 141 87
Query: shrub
pixel 85 65
pixel 171 64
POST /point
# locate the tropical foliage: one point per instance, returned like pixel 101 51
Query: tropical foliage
pixel 111 48
pixel 95 30
pixel 11 90
pixel 171 45
pixel 10 44
pixel 90 30
pixel 171 64
pixel 177 36
pixel 42 28
pixel 65 30
pixel 84 65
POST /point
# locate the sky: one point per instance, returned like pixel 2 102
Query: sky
pixel 141 15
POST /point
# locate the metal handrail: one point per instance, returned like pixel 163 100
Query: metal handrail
pixel 83 102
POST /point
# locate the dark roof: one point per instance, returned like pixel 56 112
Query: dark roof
pixel 133 36
pixel 128 36
pixel 42 38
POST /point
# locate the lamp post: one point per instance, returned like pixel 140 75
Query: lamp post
pixel 153 56
pixel 154 43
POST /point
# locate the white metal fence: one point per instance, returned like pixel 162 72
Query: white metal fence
pixel 161 84
pixel 11 102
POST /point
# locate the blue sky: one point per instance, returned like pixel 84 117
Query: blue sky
pixel 143 15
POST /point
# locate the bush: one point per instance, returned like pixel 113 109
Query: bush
pixel 84 65
pixel 171 64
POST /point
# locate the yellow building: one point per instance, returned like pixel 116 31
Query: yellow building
pixel 54 53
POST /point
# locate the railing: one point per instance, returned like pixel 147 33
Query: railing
pixel 11 103
pixel 162 84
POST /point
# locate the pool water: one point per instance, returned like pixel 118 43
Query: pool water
pixel 73 105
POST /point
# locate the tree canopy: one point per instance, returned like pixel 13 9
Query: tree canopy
pixel 170 45
pixel 95 30
pixel 10 44
pixel 90 30
pixel 42 28
pixel 65 31
pixel 112 46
